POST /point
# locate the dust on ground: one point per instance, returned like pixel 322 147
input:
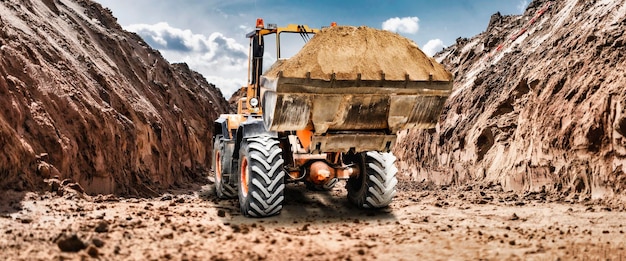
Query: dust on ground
pixel 477 221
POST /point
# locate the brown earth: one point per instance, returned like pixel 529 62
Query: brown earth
pixel 337 50
pixel 234 99
pixel 86 100
pixel 471 222
pixel 538 105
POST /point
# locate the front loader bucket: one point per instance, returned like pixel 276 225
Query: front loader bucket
pixel 354 88
pixel 351 114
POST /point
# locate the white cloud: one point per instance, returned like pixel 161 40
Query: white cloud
pixel 521 7
pixel 245 28
pixel 222 60
pixel 409 25
pixel 433 46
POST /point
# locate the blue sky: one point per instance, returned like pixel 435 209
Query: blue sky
pixel 209 35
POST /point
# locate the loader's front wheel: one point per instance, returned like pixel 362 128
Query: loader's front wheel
pixel 261 181
pixel 375 187
pixel 221 158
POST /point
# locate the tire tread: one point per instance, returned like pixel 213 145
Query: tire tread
pixel 266 187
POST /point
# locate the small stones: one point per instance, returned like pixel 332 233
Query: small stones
pixel 167 234
pixel 103 226
pixel 92 251
pixel 305 227
pixel 481 202
pixel 26 220
pixel 244 229
pixel 97 242
pixel 236 228
pixel 54 185
pixel 70 243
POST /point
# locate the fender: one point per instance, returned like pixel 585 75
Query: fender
pixel 253 127
pixel 220 126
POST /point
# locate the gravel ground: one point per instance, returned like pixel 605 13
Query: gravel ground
pixel 424 222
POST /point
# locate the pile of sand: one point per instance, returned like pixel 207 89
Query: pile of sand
pixel 347 51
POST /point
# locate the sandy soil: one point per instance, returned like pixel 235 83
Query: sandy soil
pixel 434 223
pixel 348 51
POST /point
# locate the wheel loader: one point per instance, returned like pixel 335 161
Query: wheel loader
pixel 319 129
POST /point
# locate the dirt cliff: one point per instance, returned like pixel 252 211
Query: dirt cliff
pixel 539 104
pixel 85 100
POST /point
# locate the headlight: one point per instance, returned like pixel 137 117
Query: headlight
pixel 254 102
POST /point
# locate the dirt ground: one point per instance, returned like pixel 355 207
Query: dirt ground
pixel 423 223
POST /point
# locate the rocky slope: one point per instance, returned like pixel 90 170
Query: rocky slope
pixel 539 104
pixel 85 100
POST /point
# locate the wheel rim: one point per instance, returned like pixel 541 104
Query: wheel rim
pixel 244 176
pixel 218 166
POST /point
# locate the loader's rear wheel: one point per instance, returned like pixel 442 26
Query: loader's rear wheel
pixel 262 178
pixel 222 157
pixel 375 187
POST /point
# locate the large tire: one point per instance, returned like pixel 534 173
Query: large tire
pixel 262 178
pixel 221 159
pixel 375 187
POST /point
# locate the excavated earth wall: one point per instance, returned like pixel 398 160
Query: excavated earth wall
pixel 85 100
pixel 539 104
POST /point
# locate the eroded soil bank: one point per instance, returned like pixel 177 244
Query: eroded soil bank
pixel 538 103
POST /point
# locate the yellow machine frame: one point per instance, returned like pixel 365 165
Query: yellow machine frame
pixel 243 106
